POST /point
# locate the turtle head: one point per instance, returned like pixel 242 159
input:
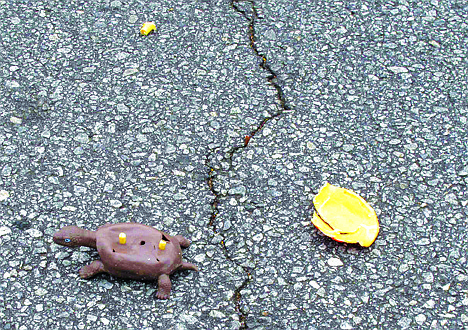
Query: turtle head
pixel 75 236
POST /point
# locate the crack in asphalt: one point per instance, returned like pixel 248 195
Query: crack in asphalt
pixel 214 206
pixel 251 16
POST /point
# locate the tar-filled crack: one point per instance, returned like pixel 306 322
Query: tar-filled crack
pixel 251 17
pixel 214 212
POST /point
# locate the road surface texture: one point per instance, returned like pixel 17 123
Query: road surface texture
pixel 222 125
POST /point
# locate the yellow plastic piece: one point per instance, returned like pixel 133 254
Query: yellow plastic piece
pixel 147 28
pixel 162 245
pixel 345 216
pixel 122 238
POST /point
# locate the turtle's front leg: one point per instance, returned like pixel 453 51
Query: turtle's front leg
pixel 92 269
pixel 164 287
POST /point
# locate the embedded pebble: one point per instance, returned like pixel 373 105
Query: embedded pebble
pixel 132 19
pixel 106 284
pixel 82 138
pixel 4 195
pixel 179 196
pixel 334 262
pixel 200 257
pixel 115 203
pixel 398 69
pixel 34 232
pixel 129 72
pixel 239 190
pixel 16 120
pixel 4 231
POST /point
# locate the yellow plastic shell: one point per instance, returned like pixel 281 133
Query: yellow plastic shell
pixel 147 28
pixel 345 216
pixel 162 245
pixel 122 238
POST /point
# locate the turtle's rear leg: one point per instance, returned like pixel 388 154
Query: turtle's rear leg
pixel 92 269
pixel 164 287
pixel 185 243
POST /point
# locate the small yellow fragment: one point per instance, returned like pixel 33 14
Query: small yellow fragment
pixel 147 28
pixel 122 238
pixel 345 216
pixel 162 245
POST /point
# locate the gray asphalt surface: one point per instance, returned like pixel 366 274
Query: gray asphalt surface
pixel 100 124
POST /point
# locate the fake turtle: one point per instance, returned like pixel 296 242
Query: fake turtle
pixel 130 250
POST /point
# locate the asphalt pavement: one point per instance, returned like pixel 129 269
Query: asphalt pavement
pixel 221 126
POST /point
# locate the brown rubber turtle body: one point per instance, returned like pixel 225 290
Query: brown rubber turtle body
pixel 140 258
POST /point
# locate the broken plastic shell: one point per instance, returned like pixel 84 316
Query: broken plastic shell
pixel 122 238
pixel 162 245
pixel 147 28
pixel 345 216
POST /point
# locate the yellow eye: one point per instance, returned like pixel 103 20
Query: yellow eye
pixel 162 245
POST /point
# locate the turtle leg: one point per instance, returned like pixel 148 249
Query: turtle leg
pixel 164 287
pixel 185 243
pixel 92 269
pixel 188 266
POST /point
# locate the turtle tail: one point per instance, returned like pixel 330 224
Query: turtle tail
pixel 188 266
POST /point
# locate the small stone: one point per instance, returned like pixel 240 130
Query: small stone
pixel 106 284
pixel 4 195
pixel 428 277
pixel 404 323
pixel 215 313
pixel 310 145
pixel 334 262
pixel 116 4
pixel 346 326
pixel 398 69
pixel 420 319
pixel 34 233
pixel 266 131
pixel 270 34
pixel 16 120
pixel 82 138
pixel 4 231
pixel 429 304
pixel 6 170
pixel 179 196
pixel 129 72
pixel 53 179
pixel 463 172
pixel 115 203
pixel 89 69
pixel 132 19
pixel 348 147
pixel 200 257
pixel 215 124
pixel 122 108
pixel 258 237
pixel 41 292
pixel 239 190
pixel 227 225
pixel 434 44
pixel 91 318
